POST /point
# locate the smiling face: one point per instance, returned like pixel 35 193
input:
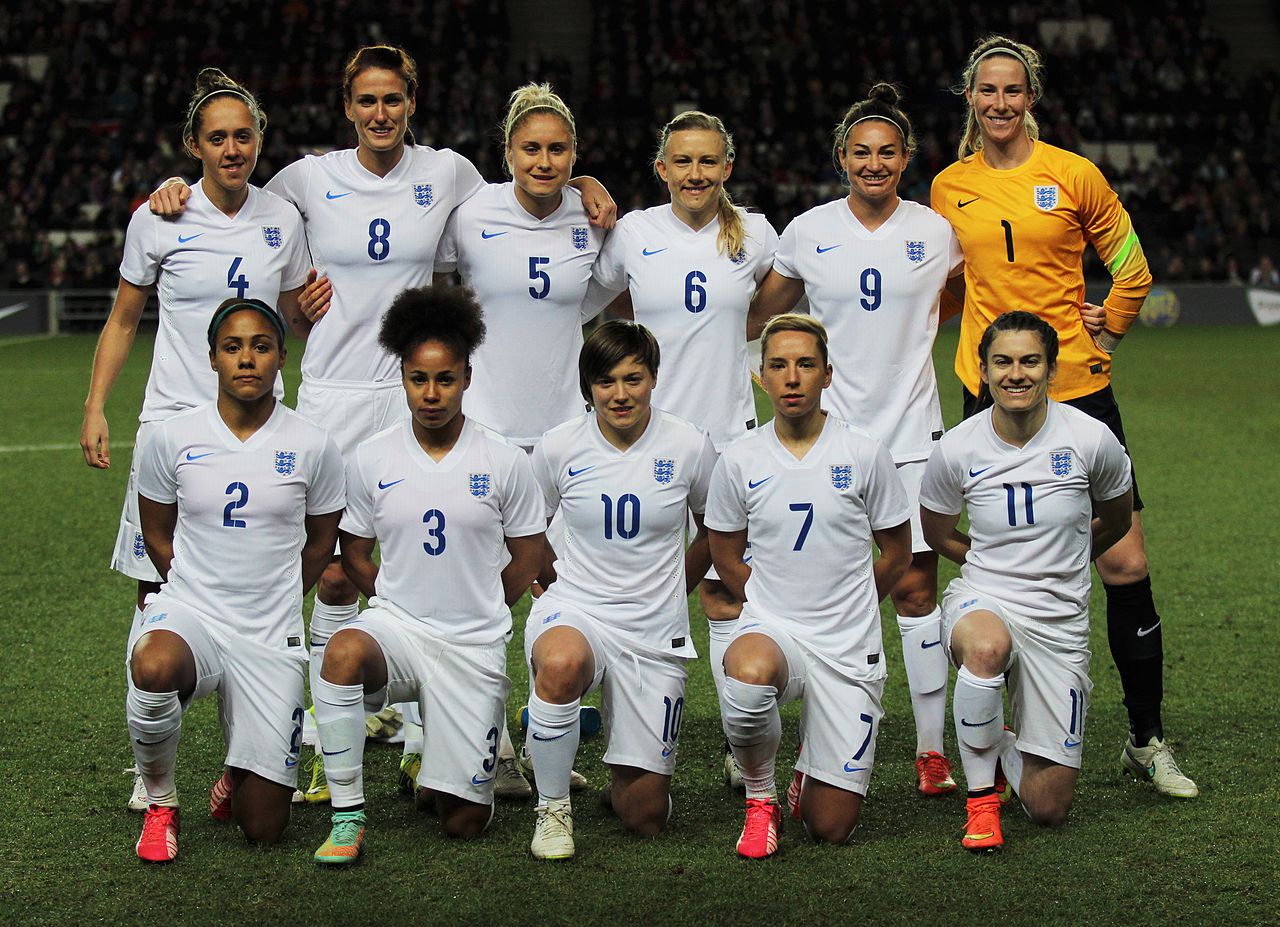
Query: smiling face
pixel 1000 97
pixel 434 379
pixel 247 356
pixel 621 397
pixel 874 158
pixel 1017 372
pixel 379 107
pixel 226 142
pixel 694 168
pixel 794 373
pixel 540 157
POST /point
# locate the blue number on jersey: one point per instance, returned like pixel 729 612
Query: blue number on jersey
pixel 379 239
pixel 540 276
pixel 239 284
pixel 807 508
pixel 434 520
pixel 1028 509
pixel 627 522
pixel 242 497
pixel 870 283
pixel 695 296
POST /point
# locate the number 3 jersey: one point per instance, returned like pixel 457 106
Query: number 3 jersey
pixel 242 508
pixel 622 559
pixel 196 261
pixel 442 525
pixel 810 523
pixel 1030 509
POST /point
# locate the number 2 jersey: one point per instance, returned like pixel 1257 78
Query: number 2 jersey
pixel 196 261
pixel 1030 509
pixel 242 508
pixel 622 560
pixel 372 237
pixel 442 526
pixel 810 523
pixel 877 294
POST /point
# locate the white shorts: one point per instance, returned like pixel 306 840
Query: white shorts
pixel 841 715
pixel 259 688
pixel 461 691
pixel 130 554
pixel 643 690
pixel 352 412
pixel 1049 685
pixel 911 472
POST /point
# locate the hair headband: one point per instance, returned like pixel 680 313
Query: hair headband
pixel 845 143
pixel 255 305
pixel 1002 50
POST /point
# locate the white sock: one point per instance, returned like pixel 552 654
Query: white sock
pixel 554 732
pixel 753 727
pixel 1011 760
pixel 721 635
pixel 340 730
pixel 926 666
pixel 155 724
pixel 979 717
pixel 326 621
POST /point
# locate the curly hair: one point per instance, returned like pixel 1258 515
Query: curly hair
pixel 448 314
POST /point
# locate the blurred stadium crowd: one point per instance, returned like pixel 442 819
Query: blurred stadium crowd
pixel 97 92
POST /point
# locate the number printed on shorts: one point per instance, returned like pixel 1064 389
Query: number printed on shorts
pixel 627 520
pixel 866 741
pixel 434 520
pixel 492 739
pixel 1075 727
pixel 241 493
pixel 379 239
pixel 295 739
pixel 671 722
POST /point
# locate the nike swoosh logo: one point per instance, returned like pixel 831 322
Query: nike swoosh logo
pixel 647 253
pixel 1070 744
pixel 822 250
pixel 925 645
pixel 382 485
pixel 486 235
pixel 290 762
pixel 973 472
pixel 330 195
pixel 756 484
pixel 963 203
pixel 537 736
pixel 853 769
pixel 183 239
pixel 475 780
pixel 977 724
pixel 334 752
pixel 666 751
pixel 989 833
pixel 191 456
pixel 1143 632
pixel 580 470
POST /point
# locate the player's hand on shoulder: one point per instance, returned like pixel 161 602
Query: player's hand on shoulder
pixel 170 200
pixel 600 207
pixel 316 296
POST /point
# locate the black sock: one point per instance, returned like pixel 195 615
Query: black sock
pixel 1137 647
pixel 979 793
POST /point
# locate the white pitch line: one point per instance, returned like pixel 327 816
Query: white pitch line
pixel 36 448
pixel 14 340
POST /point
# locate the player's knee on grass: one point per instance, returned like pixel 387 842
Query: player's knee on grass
pixel 260 807
pixel 829 813
pixel 1047 790
pixel 460 819
pixel 162 662
pixel 640 799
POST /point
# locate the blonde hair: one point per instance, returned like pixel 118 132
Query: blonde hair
pixel 1028 57
pixel 527 100
pixel 793 322
pixel 211 82
pixel 881 103
pixel 733 231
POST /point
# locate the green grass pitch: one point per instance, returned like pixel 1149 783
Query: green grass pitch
pixel 1205 444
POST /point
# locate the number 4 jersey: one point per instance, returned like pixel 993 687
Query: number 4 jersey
pixel 196 261
pixel 242 508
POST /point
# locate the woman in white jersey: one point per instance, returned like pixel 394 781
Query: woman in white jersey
pixel 874 267
pixel 236 240
pixel 813 493
pixel 690 268
pixel 1047 489
pixel 239 501
pixel 458 517
pixel 615 612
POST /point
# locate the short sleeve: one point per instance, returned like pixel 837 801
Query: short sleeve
pixel 295 272
pixel 522 503
pixel 290 183
pixel 940 490
pixel 358 517
pixel 327 491
pixel 769 252
pixel 886 500
pixel 700 482
pixel 610 270
pixel 1110 473
pixel 544 473
pixel 467 180
pixel 140 264
pixel 447 249
pixel 784 261
pixel 726 506
pixel 955 254
pixel 157 475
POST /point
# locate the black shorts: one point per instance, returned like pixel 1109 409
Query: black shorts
pixel 1100 405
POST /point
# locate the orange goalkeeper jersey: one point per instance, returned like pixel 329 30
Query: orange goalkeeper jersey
pixel 1023 232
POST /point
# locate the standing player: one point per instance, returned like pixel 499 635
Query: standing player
pixel 813 493
pixel 1032 474
pixel 1023 212
pixel 448 501
pixel 874 267
pixel 691 268
pixel 239 502
pixel 234 239
pixel 615 613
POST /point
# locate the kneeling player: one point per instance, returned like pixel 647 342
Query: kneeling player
pixel 443 496
pixel 1047 489
pixel 239 501
pixel 814 493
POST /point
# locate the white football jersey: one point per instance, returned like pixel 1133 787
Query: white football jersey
pixel 531 277
pixel 441 525
pixel 196 261
pixel 694 299
pixel 1030 509
pixel 622 559
pixel 877 294
pixel 372 237
pixel 810 524
pixel 242 510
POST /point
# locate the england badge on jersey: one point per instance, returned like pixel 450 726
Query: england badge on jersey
pixel 915 252
pixel 139 547
pixel 422 194
pixel 1047 197
pixel 739 257
pixel 479 483
pixel 580 237
pixel 664 469
pixel 842 476
pixel 286 462
pixel 1060 462
pixel 271 235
